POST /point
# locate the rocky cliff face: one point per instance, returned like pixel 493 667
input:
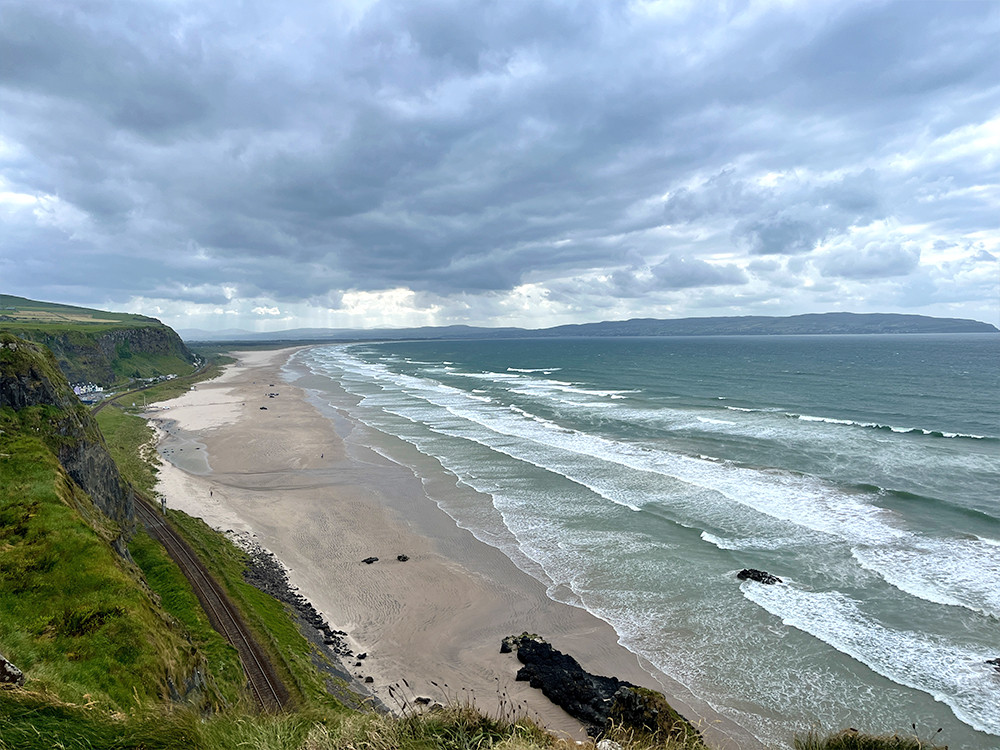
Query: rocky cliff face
pixel 111 354
pixel 31 379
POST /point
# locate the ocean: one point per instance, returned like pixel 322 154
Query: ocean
pixel 634 477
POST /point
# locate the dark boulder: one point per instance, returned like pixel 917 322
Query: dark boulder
pixel 607 706
pixel 370 560
pixel 402 558
pixel 563 681
pixel 752 574
pixel 9 674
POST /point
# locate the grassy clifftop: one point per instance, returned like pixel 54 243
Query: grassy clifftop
pixel 97 346
pixel 115 647
pixel 75 614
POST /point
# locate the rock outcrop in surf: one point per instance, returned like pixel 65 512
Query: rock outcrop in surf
pixel 760 576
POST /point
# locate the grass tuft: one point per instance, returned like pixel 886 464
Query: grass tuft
pixel 852 739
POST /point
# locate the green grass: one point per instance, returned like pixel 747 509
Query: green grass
pixel 270 619
pixel 130 441
pixel 176 596
pixel 148 365
pixel 36 722
pixel 73 616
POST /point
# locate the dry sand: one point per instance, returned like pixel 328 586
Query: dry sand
pixel 321 506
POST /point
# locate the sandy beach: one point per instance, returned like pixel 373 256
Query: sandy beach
pixel 277 467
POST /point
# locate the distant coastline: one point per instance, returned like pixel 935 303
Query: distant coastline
pixel 833 323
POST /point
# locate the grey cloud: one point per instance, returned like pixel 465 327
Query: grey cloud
pixel 779 234
pixel 790 218
pixel 677 272
pixel 674 272
pixel 875 260
pixel 468 147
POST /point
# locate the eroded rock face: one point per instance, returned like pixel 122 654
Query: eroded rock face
pixel 761 576
pixel 9 674
pixel 30 377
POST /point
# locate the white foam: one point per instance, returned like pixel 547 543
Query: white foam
pixel 951 673
pixel 957 572
pixel 798 499
pixel 747 543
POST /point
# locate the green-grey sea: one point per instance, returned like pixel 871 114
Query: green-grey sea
pixel 636 476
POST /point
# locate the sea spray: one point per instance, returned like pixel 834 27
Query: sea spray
pixel 634 477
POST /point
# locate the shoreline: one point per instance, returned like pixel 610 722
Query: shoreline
pixel 299 482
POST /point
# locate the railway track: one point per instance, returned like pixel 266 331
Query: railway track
pixel 262 678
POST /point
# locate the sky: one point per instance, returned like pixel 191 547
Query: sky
pixel 261 165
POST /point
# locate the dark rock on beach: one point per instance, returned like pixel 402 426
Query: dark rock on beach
pixel 752 574
pixel 370 560
pixel 402 558
pixel 605 705
pixel 265 573
pixel 560 677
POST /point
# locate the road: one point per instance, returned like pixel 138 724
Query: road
pixel 112 400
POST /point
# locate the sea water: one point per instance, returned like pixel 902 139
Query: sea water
pixel 635 477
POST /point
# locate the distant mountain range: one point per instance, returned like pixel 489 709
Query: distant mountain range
pixel 750 325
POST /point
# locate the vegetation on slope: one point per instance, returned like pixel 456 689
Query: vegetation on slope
pixel 97 346
pixel 73 615
pixel 23 312
pixel 118 658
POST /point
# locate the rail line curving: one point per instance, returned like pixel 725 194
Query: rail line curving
pixel 262 678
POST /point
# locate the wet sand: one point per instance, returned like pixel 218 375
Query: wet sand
pixel 322 504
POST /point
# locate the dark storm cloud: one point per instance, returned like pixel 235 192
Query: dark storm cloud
pixel 299 152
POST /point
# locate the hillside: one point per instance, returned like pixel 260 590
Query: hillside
pixel 116 652
pixel 750 325
pixel 75 614
pixel 93 346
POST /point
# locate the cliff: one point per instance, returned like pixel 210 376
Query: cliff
pixel 77 616
pixel 96 346
pixel 40 400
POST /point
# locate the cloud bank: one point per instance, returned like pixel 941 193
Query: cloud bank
pixel 526 163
